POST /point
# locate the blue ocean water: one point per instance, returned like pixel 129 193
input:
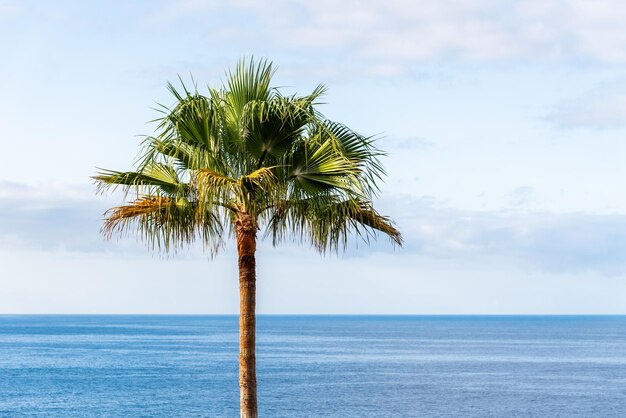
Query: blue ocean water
pixel 315 366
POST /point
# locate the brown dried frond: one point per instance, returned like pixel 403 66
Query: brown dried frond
pixel 118 217
pixel 381 223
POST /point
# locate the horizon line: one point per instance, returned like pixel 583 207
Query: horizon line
pixel 325 314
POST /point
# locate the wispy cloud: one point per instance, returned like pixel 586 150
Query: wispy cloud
pixel 50 193
pixel 388 37
pixel 521 196
pixel 602 108
pixel 546 241
pixel 551 242
pixel 50 217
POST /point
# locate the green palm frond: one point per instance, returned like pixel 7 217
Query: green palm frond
pixel 151 177
pixel 186 156
pixel 273 126
pixel 317 167
pixel 193 120
pixel 250 81
pixel 326 222
pixel 361 151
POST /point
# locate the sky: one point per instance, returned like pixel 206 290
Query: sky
pixel 504 124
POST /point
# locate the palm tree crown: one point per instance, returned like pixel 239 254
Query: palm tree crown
pixel 248 150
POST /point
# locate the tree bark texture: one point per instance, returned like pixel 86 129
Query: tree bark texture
pixel 246 228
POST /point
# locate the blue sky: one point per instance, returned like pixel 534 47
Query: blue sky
pixel 505 124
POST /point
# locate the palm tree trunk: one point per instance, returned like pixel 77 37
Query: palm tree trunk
pixel 246 246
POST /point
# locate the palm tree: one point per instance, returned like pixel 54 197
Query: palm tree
pixel 240 159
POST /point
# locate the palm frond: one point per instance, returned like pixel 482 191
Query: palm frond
pixel 207 178
pixel 153 176
pixel 249 81
pixel 317 167
pixel 262 179
pixel 164 223
pixel 273 126
pixel 327 222
pixel 193 121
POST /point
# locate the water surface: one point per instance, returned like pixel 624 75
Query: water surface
pixel 315 366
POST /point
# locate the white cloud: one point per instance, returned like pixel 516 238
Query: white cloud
pixel 472 252
pixel 545 241
pixel 48 192
pixel 390 36
pixel 50 216
pixel 521 196
pixel 602 108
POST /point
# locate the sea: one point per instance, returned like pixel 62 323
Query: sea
pixel 314 366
